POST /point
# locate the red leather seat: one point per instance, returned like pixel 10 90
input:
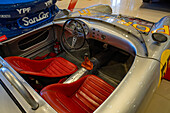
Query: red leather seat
pixel 82 96
pixel 53 67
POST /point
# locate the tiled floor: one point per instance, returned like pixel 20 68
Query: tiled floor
pixel 160 102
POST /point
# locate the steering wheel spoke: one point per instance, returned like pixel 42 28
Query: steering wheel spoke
pixel 74 41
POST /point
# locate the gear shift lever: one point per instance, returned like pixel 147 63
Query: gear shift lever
pixel 87 63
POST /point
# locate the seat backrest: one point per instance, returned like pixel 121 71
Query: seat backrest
pixel 92 93
pixel 19 63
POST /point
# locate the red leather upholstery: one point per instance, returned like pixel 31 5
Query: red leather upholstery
pixel 82 96
pixel 53 67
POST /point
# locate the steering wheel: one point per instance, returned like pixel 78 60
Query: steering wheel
pixel 73 34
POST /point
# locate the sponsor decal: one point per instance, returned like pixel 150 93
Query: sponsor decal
pixel 165 57
pixel 164 30
pixel 104 17
pixel 137 24
pixel 24 10
pixel 85 12
pixel 48 3
pixel 5 16
pixel 2 38
pixel 26 22
pixel 141 22
pixel 123 22
pixel 139 27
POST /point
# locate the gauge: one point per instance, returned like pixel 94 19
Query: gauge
pixel 85 27
pixel 72 26
pixel 76 26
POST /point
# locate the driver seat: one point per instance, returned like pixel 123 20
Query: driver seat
pixel 82 96
pixel 53 67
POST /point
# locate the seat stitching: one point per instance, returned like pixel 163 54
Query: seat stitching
pixel 83 94
pixel 96 91
pixel 62 105
pixel 55 69
pixel 80 104
pixel 99 86
pixel 57 99
pixel 47 70
pixel 65 65
pixel 92 94
pixel 61 67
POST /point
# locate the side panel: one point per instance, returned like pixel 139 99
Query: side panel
pixel 28 43
pixel 140 82
pixel 8 106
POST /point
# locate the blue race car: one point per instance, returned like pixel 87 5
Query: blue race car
pixel 20 16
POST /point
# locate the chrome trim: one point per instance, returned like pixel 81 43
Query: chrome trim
pixel 78 74
pixel 20 87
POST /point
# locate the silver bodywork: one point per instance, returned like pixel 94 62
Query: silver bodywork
pixel 133 93
pixel 7 105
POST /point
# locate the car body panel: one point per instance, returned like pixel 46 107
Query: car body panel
pixel 43 106
pixel 24 16
pixel 127 33
pixel 129 95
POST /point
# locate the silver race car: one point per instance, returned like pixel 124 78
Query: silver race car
pixel 88 60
